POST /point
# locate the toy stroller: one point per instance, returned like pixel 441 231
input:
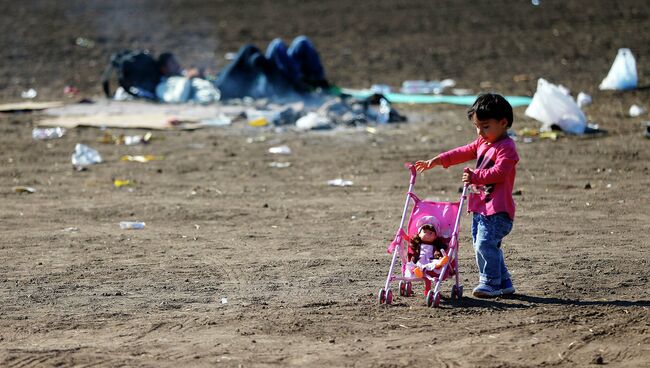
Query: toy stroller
pixel 447 215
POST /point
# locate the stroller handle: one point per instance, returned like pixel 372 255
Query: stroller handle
pixel 414 172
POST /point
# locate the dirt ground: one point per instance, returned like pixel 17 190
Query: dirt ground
pixel 241 264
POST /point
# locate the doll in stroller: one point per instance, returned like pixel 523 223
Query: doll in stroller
pixel 427 248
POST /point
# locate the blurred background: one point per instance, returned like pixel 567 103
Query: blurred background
pixel 484 45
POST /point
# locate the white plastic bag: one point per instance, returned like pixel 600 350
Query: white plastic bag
pixel 551 106
pixel 174 89
pixel 622 75
pixel 84 156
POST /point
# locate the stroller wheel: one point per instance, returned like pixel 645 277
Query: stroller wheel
pixel 429 299
pixel 456 292
pixel 389 297
pixel 402 288
pixel 408 290
pixel 381 297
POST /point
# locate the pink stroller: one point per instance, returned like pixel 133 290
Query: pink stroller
pixel 448 219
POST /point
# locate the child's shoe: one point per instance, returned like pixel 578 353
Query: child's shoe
pixel 486 291
pixel 507 288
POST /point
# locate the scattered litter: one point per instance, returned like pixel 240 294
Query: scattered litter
pixel 426 87
pixel 258 122
pixel 221 120
pixel 224 300
pixel 313 121
pixel 636 110
pixel 196 226
pixel 280 150
pixel 118 183
pixel 622 75
pixel 71 229
pixel 30 93
pixel 583 100
pixel 647 129
pixel 131 225
pixel 85 42
pixel 128 140
pixel 84 156
pixel 280 165
pixel 256 139
pixel 70 91
pixel 141 158
pixel 22 189
pixel 551 106
pixel 339 183
pixel 380 88
pixel 47 133
pixel 535 2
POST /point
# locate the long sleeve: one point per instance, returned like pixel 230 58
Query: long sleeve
pixel 459 155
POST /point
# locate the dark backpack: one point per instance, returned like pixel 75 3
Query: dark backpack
pixel 137 73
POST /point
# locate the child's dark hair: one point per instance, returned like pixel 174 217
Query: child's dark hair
pixel 491 106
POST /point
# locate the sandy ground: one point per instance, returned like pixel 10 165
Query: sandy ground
pixel 299 262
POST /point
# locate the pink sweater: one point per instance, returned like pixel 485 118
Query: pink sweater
pixel 494 175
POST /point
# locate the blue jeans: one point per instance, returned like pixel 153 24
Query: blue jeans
pixel 487 234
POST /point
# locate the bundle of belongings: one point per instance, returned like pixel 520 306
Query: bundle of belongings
pixel 280 73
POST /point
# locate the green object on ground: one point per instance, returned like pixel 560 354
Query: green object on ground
pixel 515 101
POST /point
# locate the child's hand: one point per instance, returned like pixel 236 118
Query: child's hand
pixel 421 166
pixel 467 175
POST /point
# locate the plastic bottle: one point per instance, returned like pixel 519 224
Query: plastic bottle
pixel 384 111
pixel 131 225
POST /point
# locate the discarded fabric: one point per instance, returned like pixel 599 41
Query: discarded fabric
pixel 622 75
pixel 84 156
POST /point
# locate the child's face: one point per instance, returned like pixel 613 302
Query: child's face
pixel 427 235
pixel 491 129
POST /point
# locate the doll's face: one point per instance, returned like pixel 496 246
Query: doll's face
pixel 427 234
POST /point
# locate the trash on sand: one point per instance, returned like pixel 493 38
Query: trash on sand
pixel 258 122
pixel 47 133
pixel 70 91
pixel 636 110
pixel 141 158
pixel 221 120
pixel 551 106
pixel 535 2
pixel 122 183
pixel 313 121
pixel 380 88
pixel 383 116
pixel 30 93
pixel 224 300
pixel 22 189
pixel 85 42
pixel 280 165
pixel 426 87
pixel 622 75
pixel 583 100
pixel 647 129
pixel 339 183
pixel 128 140
pixel 131 225
pixel 84 156
pixel 71 229
pixel 280 150
pixel 256 139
